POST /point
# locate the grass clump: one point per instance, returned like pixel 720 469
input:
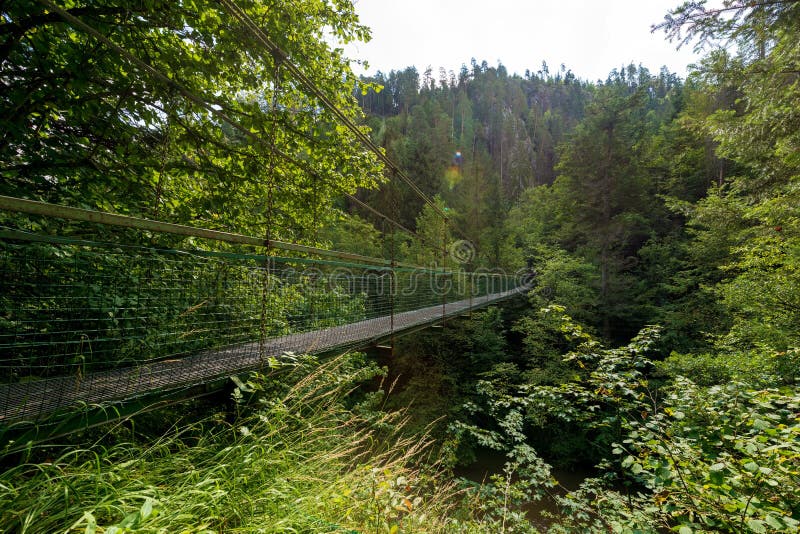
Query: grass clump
pixel 303 454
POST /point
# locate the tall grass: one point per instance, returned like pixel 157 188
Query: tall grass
pixel 295 459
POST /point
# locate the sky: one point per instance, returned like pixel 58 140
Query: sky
pixel 591 37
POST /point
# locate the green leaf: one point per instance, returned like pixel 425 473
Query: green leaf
pixel 774 522
pixel 756 525
pixel 147 508
pixel 91 523
pixel 685 530
pixel 129 520
pixel 760 424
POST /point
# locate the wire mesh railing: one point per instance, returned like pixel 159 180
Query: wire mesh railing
pixel 86 322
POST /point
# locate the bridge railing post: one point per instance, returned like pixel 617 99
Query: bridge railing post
pixel 469 289
pixel 392 274
pixel 444 269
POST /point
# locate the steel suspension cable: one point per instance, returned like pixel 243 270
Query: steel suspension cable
pixel 309 84
pixel 193 97
pixel 279 54
pixel 262 339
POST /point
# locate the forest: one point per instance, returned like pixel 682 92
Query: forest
pixel 647 380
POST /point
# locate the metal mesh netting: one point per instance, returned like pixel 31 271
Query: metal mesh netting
pixel 87 323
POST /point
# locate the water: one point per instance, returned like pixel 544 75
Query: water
pixel 491 462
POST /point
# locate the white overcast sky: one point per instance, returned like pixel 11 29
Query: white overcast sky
pixel 591 37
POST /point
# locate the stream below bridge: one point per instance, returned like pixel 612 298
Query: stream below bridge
pixel 490 463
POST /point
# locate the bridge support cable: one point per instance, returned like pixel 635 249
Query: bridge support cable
pixel 276 52
pixel 392 255
pixel 262 339
pixel 282 60
pixel 34 207
pixel 444 266
pixel 263 39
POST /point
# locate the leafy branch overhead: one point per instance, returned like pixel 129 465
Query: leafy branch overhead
pixel 84 125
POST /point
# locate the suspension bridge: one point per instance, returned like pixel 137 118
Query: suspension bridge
pixel 100 309
pixel 89 323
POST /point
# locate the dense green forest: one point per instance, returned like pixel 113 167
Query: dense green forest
pixel 656 352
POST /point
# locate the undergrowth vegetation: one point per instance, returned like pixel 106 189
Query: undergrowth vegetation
pixel 671 455
pixel 302 455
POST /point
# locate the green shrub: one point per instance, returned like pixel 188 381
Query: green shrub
pixel 759 368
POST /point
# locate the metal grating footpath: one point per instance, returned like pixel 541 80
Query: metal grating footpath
pixel 29 401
